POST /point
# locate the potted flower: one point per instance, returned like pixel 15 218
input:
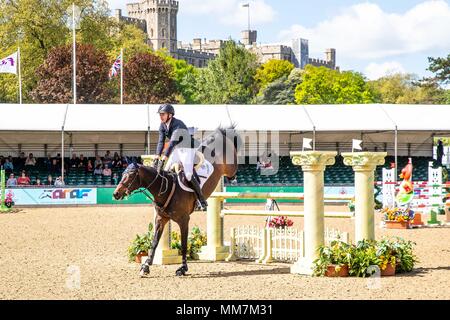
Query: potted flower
pixel 141 245
pixel 280 222
pixel 397 218
pixel 196 241
pixel 334 260
pixel 9 202
pixel 404 255
pixel 386 254
pixel 363 258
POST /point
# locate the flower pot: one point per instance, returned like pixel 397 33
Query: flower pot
pixel 389 271
pixel 139 256
pixel 397 224
pixel 331 271
pixel 417 219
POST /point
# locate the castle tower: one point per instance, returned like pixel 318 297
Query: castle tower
pixel 161 20
pixel 331 57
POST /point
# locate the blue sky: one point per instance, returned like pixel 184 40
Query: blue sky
pixel 374 37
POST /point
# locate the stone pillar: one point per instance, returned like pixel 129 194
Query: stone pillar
pixel 364 165
pixel 214 250
pixel 313 165
pixel 164 254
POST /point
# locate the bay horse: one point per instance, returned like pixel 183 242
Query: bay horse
pixel 170 200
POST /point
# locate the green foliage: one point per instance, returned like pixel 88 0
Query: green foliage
pixel 321 85
pixel 406 89
pixel 196 240
pixel 282 90
pixel 141 244
pixel 362 257
pixel 441 68
pixel 228 79
pixel 272 70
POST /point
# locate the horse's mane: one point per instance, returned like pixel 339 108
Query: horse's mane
pixel 226 132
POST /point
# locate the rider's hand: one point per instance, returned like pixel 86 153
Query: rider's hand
pixel 155 163
pixel 161 165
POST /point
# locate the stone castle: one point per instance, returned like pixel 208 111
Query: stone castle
pixel 158 19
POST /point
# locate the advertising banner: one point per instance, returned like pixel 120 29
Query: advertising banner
pixel 53 196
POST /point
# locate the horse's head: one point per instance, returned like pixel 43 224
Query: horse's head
pixel 129 183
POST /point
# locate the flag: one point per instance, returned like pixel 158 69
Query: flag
pixel 356 144
pixel 115 67
pixel 307 143
pixel 246 5
pixel 9 64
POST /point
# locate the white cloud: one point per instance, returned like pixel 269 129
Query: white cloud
pixel 230 12
pixel 375 71
pixel 365 31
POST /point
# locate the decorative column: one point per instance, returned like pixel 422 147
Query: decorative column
pixel 214 249
pixel 364 165
pixel 313 165
pixel 164 254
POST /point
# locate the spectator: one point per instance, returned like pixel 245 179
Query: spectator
pixel 124 162
pixel 30 161
pixel 38 182
pixel 55 167
pixel 89 167
pixel 49 181
pixel 12 181
pixel 23 180
pixel 48 162
pixel 98 170
pixel 8 166
pixel 116 163
pixel 115 179
pixel 82 162
pixel 98 161
pixel 107 171
pixel 59 182
pixel 107 159
pixel 74 161
pixel 21 161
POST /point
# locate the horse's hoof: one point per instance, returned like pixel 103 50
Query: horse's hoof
pixel 145 271
pixel 181 271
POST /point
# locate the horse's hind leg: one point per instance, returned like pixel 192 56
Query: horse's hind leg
pixel 160 223
pixel 184 228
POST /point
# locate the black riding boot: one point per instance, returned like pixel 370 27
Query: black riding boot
pixel 198 193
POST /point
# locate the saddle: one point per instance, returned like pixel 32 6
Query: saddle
pixel 177 168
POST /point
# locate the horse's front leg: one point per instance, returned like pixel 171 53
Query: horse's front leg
pixel 184 228
pixel 160 223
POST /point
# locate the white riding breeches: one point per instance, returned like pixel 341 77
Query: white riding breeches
pixel 186 156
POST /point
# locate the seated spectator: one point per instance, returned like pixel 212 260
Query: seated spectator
pixel 49 181
pixel 12 181
pixel 98 161
pixel 115 179
pixel 107 171
pixel 38 182
pixel 107 159
pixel 98 170
pixel 59 182
pixel 8 166
pixel 74 161
pixel 30 161
pixel 89 167
pixel 82 161
pixel 20 163
pixel 117 163
pixel 23 180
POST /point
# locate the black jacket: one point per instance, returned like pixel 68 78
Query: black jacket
pixel 176 128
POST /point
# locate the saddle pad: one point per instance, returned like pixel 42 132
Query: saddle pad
pixel 204 172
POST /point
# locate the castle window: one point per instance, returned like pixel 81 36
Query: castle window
pixel 163 45
pixel 163 32
pixel 151 33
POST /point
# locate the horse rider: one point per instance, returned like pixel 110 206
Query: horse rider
pixel 172 129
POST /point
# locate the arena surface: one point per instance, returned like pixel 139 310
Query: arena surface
pixel 41 248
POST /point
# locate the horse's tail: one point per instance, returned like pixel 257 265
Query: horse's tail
pixel 231 133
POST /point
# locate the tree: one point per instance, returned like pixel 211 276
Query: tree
pixel 148 79
pixel 55 76
pixel 281 91
pixel 229 78
pixel 441 67
pixel 272 70
pixel 184 75
pixel 321 85
pixel 406 89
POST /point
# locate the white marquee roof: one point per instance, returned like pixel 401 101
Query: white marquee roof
pixel 137 118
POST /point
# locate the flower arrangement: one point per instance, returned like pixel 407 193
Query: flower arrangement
pixel 196 241
pixel 397 214
pixel 9 202
pixel 141 244
pixel 280 222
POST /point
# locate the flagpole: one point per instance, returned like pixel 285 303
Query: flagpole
pixel 121 76
pixel 74 56
pixel 20 76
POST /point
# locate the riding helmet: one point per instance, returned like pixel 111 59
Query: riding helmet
pixel 166 108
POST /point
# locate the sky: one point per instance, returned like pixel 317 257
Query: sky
pixel 376 37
